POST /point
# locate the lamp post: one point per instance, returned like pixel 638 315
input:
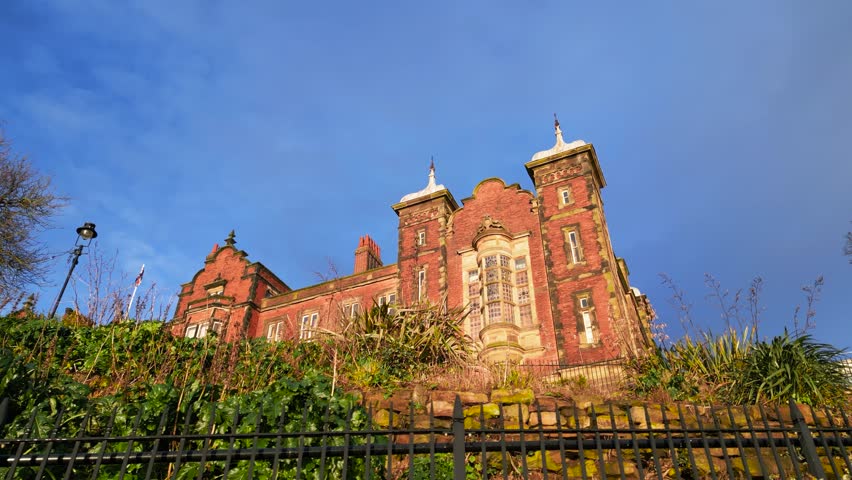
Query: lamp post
pixel 85 233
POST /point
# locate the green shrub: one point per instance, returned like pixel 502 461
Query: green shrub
pixel 123 373
pixel 798 369
pixel 740 369
pixel 383 347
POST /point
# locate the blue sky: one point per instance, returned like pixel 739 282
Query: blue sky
pixel 722 129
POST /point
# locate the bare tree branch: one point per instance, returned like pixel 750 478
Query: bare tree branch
pixel 27 203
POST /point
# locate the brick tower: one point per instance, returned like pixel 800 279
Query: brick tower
pixel 590 317
pixel 422 257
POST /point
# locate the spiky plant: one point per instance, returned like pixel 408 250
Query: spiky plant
pixel 403 340
pixel 793 368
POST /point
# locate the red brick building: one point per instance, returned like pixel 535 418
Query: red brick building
pixel 535 269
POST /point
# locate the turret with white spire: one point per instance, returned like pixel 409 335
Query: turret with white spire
pixel 431 187
pixel 560 146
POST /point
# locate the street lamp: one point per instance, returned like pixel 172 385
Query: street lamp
pixel 84 234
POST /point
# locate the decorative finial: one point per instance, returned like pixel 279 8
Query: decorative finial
pixel 432 163
pixel 559 139
pixel 431 183
pixel 230 240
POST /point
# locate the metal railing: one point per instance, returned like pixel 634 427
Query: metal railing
pixel 555 440
pixel 605 375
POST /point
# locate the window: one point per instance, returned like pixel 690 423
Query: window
pixel 492 292
pixel 351 310
pixel 565 196
pixel 520 263
pixel 521 278
pixel 507 291
pixel 200 330
pixel 421 284
pixel 270 292
pixel 388 299
pixel 491 261
pixel 421 237
pixel 474 295
pixel 473 276
pixel 523 295
pixel 494 312
pixel 587 326
pixel 213 292
pixel 499 290
pixel 574 248
pixel 191 331
pixel 274 331
pixel 309 324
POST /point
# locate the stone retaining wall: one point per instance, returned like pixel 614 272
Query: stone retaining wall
pixel 518 413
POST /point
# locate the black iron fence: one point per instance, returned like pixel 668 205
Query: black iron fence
pixel 538 440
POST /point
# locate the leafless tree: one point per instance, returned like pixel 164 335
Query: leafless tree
pixel 27 202
pixel 101 293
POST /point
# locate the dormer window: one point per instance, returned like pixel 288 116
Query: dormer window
pixel 216 287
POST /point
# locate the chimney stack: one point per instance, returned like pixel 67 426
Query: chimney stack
pixel 368 255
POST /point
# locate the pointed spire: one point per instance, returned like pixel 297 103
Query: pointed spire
pixel 230 240
pixel 432 163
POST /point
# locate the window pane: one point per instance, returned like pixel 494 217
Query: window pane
pixel 507 292
pixel 504 261
pixel 523 295
pixel 492 291
pixel 508 313
pixel 191 330
pixel 491 275
pixel 521 278
pixel 392 298
pixel 521 263
pixel 473 276
pixel 494 312
pixel 491 261
pixel 475 327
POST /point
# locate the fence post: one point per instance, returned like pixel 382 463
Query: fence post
pixel 4 411
pixel 807 442
pixel 458 441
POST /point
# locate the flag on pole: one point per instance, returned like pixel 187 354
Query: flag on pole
pixel 139 277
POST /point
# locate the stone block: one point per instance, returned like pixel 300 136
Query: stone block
pixel 525 396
